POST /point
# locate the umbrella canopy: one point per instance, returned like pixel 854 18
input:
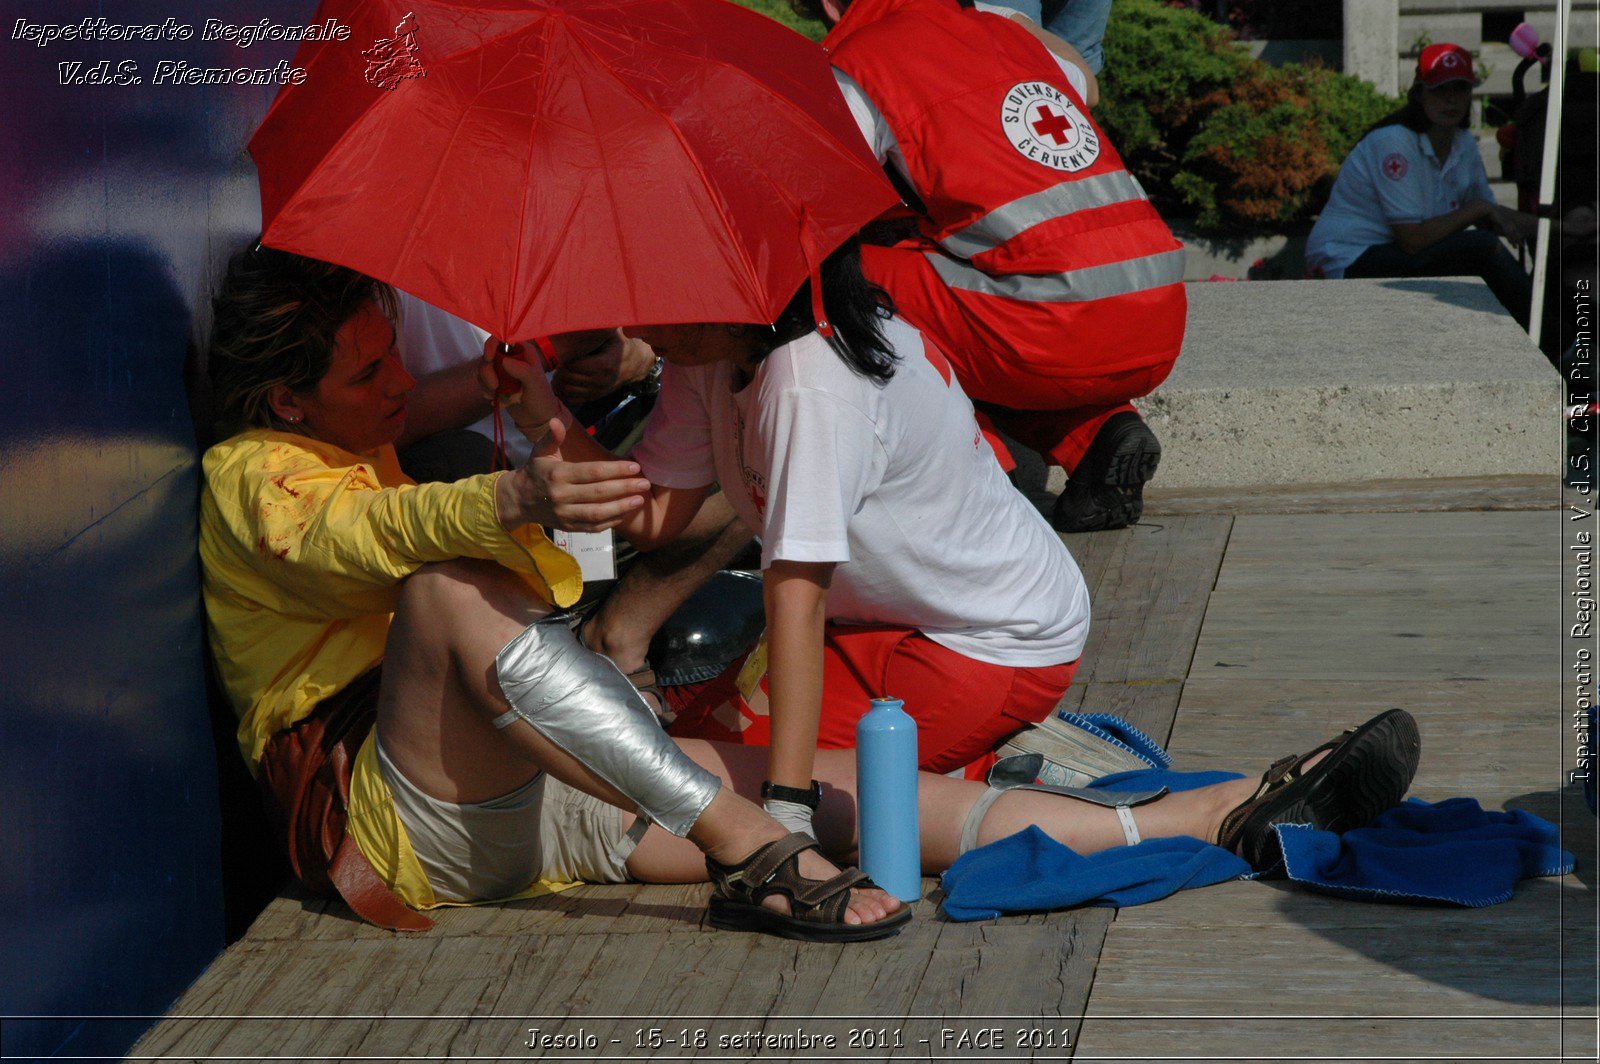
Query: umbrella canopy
pixel 539 166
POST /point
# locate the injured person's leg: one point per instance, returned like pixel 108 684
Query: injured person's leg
pixel 464 727
pixel 479 695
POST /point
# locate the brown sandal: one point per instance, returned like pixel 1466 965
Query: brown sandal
pixel 816 906
pixel 1368 770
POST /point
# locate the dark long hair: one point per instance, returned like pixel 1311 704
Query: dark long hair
pixel 1412 116
pixel 856 309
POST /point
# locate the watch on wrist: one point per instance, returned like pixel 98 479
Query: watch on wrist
pixel 650 383
pixel 811 797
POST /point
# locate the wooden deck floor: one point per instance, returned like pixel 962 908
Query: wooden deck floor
pixel 1259 633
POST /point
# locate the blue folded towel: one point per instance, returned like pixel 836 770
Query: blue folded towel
pixel 1453 851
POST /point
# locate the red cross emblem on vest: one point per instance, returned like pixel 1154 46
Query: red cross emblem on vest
pixel 1050 122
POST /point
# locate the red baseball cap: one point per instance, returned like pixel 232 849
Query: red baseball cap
pixel 1440 64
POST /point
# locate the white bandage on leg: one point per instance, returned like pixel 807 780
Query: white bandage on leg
pixel 794 816
pixel 974 821
pixel 1130 830
pixel 581 702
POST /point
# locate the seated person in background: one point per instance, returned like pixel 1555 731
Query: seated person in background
pixel 1410 192
pixel 1039 268
pixel 428 732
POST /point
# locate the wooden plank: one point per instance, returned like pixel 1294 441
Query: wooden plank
pixel 1393 553
pixel 1407 596
pixel 1512 492
pixel 1500 741
pixel 984 970
pixel 1151 598
pixel 1151 706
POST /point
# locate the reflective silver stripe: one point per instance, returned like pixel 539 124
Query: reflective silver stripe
pixel 1020 215
pixel 1073 286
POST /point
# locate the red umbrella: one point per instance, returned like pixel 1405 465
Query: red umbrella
pixel 539 166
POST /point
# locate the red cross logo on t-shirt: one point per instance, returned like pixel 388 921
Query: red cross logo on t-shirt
pixel 759 497
pixel 1050 123
pixel 1394 166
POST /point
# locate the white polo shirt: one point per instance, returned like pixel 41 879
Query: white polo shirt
pixel 1392 175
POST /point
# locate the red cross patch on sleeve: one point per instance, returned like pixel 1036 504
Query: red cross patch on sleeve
pixel 1394 166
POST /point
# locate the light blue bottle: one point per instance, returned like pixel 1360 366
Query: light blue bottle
pixel 886 788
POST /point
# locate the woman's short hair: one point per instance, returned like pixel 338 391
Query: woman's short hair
pixel 274 321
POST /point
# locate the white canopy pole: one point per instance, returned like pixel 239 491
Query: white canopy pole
pixel 1545 255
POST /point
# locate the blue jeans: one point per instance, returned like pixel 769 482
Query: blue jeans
pixel 1469 253
pixel 1081 23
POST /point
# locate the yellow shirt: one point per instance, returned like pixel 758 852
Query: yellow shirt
pixel 303 547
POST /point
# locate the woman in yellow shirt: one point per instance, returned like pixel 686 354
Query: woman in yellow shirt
pixel 430 732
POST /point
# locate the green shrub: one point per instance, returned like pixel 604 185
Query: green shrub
pixel 1212 133
pixel 779 9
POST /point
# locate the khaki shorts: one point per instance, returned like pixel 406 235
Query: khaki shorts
pixel 494 849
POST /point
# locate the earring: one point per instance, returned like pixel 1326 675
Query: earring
pixel 293 419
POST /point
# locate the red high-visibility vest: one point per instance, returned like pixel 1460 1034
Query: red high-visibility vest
pixel 1023 193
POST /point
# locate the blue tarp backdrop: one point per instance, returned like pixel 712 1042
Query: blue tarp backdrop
pixel 117 204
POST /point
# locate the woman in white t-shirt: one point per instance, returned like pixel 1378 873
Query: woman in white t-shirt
pixel 898 559
pixel 1410 192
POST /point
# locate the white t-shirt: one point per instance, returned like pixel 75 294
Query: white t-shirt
pixel 1392 175
pixel 431 339
pixel 875 128
pixel 894 482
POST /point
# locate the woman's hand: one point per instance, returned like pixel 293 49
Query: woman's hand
pixel 532 404
pixel 575 496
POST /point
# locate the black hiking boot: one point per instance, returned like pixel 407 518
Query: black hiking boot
pixel 1106 491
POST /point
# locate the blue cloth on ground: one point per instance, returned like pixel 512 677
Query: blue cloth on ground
pixel 1030 871
pixel 1453 851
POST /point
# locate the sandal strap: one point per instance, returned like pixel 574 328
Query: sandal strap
pixel 774 869
pixel 765 862
pixel 817 891
pixel 1279 774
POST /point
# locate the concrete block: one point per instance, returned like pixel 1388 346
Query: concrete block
pixel 1463 28
pixel 1299 382
pixel 1371 40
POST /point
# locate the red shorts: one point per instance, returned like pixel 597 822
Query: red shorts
pixel 964 708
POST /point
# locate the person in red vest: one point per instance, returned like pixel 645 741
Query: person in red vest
pixel 1038 265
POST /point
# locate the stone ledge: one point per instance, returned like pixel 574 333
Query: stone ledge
pixel 1304 382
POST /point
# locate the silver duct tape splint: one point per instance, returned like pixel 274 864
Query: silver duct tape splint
pixel 581 702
